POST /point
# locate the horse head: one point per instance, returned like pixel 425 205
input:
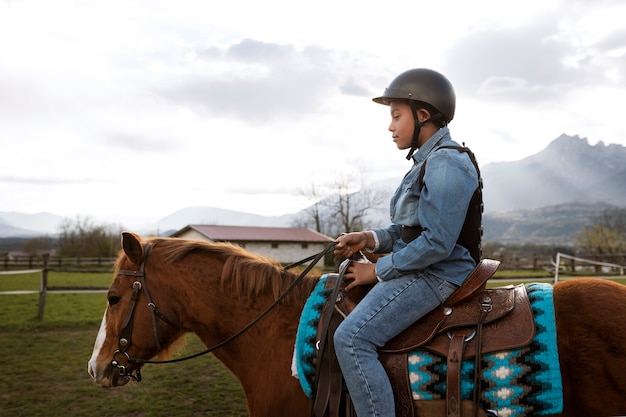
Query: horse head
pixel 133 329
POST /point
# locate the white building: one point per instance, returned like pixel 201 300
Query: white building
pixel 284 244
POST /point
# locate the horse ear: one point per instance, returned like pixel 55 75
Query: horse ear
pixel 131 245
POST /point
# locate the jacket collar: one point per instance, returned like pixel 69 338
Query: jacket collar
pixel 433 142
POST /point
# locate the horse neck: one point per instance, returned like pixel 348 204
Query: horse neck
pixel 261 361
pixel 271 337
pixel 260 357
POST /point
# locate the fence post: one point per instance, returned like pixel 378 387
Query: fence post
pixel 556 267
pixel 44 286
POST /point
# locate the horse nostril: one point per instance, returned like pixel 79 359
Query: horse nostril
pixel 113 300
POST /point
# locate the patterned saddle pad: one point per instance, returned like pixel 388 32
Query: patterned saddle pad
pixel 514 383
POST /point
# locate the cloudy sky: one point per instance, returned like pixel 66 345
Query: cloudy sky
pixel 128 110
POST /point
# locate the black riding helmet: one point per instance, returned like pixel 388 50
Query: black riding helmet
pixel 422 85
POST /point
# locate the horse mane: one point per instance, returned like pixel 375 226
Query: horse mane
pixel 248 274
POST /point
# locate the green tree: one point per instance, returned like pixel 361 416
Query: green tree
pixel 605 237
pixel 38 245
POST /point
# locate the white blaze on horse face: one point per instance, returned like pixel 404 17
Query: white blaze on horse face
pixel 92 366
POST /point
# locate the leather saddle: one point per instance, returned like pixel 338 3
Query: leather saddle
pixel 471 322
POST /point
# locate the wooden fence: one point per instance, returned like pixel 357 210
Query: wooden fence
pixel 57 263
pixel 44 264
pixel 62 264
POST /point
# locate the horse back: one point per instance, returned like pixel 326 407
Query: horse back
pixel 591 325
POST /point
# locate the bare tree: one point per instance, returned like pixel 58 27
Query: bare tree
pixel 39 245
pixel 343 206
pixel 312 213
pixel 82 238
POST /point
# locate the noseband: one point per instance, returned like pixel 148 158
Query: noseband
pixel 124 341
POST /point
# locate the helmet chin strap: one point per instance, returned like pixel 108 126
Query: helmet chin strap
pixel 416 133
pixel 418 128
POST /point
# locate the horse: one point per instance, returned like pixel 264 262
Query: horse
pixel 164 288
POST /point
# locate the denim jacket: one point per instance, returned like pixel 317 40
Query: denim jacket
pixel 450 179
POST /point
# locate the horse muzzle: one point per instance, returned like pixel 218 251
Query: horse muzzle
pixel 124 373
pixel 116 373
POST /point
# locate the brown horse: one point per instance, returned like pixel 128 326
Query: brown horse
pixel 214 290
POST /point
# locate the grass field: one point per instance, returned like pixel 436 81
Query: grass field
pixel 44 363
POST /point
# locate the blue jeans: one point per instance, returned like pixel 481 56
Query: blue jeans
pixel 388 309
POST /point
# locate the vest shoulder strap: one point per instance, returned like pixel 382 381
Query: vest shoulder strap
pixel 465 149
pixel 472 231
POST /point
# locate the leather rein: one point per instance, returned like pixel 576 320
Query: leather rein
pixel 124 341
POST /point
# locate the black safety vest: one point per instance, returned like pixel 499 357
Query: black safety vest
pixel 472 231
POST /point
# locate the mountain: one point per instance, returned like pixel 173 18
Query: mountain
pixel 6 230
pixel 544 198
pixel 556 224
pixel 567 170
pixel 216 216
pixel 14 224
pixel 31 225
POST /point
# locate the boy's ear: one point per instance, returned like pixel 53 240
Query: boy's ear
pixel 423 114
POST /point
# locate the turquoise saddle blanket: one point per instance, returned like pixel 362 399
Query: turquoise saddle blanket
pixel 514 383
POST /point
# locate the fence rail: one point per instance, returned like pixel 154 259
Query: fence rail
pixel 43 286
pixel 44 264
pixel 56 263
pixel 574 263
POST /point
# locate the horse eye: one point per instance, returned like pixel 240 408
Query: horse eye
pixel 113 299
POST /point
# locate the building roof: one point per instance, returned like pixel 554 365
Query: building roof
pixel 256 234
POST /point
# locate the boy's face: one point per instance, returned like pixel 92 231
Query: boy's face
pixel 402 124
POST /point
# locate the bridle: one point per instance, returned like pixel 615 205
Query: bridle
pixel 124 341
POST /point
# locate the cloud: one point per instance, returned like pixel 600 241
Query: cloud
pixel 517 58
pixel 138 142
pixel 208 97
pixel 352 87
pixel 253 51
pixel 613 42
pixel 537 61
pixel 254 81
pixel 26 180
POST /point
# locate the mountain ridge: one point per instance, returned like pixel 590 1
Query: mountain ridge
pixel 567 170
pixel 523 198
